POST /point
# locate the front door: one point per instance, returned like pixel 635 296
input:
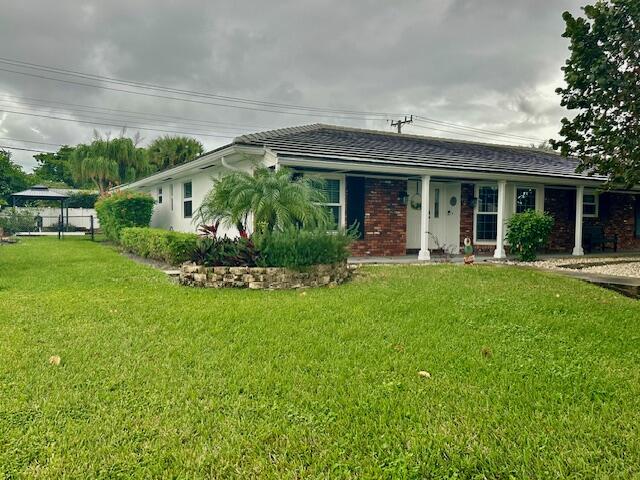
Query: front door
pixel 444 216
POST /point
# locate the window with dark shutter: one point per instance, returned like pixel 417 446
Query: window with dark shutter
pixel 355 204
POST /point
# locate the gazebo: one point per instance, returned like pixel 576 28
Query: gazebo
pixel 42 192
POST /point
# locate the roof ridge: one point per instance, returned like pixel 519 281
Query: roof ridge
pixel 277 132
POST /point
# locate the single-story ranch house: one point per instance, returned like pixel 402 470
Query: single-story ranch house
pixel 384 180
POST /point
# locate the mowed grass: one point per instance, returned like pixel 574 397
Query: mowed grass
pixel 532 375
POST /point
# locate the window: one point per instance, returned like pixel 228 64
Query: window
pixel 590 204
pixel 159 195
pixel 637 216
pixel 436 203
pixel 171 196
pixel 487 213
pixel 186 199
pixel 525 199
pixel 332 193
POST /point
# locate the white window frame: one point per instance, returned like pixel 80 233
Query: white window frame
pixel 159 195
pixel 171 195
pixel 343 194
pixel 596 203
pixel 475 214
pixel 185 199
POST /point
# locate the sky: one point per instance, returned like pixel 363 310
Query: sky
pixel 475 70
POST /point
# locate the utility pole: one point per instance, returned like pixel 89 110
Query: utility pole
pixel 399 123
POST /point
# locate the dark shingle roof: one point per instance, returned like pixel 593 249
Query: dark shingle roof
pixel 333 142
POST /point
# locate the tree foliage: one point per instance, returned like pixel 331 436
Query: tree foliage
pixel 55 167
pixel 108 162
pixel 274 198
pixel 12 177
pixel 527 232
pixel 169 151
pixel 602 78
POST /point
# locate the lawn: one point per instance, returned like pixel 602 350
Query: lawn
pixel 532 375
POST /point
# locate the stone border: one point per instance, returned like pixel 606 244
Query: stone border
pixel 270 278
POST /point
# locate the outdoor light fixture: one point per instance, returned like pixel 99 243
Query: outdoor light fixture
pixel 403 197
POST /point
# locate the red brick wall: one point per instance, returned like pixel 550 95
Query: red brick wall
pixel 385 219
pixel 617 215
pixel 561 204
pixel 467 193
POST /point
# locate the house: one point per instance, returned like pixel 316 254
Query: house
pixel 382 181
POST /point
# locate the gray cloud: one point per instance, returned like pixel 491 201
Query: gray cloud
pixel 489 64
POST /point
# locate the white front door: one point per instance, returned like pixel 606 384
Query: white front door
pixel 444 216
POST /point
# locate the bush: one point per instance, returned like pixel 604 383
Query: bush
pixel 81 200
pixel 296 248
pixel 528 232
pixel 227 252
pixel 123 209
pixel 163 245
pixel 13 220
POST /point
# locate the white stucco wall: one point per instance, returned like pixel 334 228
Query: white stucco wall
pixel 164 216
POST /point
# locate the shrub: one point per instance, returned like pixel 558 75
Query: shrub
pixel 163 245
pixel 123 209
pixel 82 200
pixel 296 248
pixel 13 220
pixel 527 232
pixel 228 252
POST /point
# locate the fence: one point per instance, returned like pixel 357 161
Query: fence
pixel 46 221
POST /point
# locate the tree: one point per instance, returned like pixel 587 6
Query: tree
pixel 108 162
pixel 55 167
pixel 12 177
pixel 602 78
pixel 275 199
pixel 168 151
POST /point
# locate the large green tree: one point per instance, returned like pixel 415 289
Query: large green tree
pixel 55 167
pixel 12 177
pixel 274 198
pixel 168 151
pixel 109 162
pixel 602 78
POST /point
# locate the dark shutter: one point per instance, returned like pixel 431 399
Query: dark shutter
pixel 355 204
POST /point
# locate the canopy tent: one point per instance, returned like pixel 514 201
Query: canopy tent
pixel 42 192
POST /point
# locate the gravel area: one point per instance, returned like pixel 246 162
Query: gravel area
pixel 618 266
pixel 631 269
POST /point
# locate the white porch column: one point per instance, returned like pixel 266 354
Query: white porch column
pixel 502 196
pixel 424 220
pixel 577 248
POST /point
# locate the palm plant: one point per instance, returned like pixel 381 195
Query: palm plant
pixel 168 151
pixel 274 198
pixel 103 172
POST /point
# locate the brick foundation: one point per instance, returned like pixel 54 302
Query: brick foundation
pixel 385 219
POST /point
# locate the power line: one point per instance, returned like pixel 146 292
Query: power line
pixel 75 73
pixel 45 102
pixel 117 125
pixel 475 129
pixel 117 119
pixel 464 134
pixel 189 100
pixel 9 147
pixel 31 141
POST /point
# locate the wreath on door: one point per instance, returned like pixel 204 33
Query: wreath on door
pixel 416 199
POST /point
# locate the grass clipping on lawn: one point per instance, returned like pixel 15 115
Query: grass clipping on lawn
pixel 408 372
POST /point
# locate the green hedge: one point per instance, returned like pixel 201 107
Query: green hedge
pixel 163 245
pixel 123 209
pixel 82 200
pixel 13 220
pixel 296 248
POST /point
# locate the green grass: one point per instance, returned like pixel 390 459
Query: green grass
pixel 159 380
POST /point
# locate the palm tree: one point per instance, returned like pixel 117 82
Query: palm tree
pixel 102 171
pixel 274 198
pixel 168 151
pixel 108 162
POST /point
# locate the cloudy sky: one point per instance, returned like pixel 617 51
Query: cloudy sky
pixel 475 70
